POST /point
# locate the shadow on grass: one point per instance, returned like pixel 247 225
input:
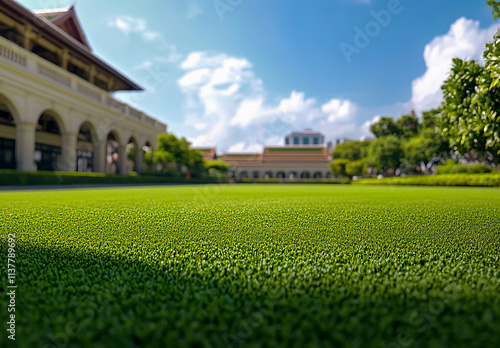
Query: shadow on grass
pixel 73 298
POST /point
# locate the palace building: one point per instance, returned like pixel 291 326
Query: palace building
pixel 293 162
pixel 57 111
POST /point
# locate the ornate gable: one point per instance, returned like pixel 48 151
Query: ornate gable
pixel 66 20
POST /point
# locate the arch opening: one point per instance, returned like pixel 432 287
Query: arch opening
pixel 85 148
pixel 48 143
pixel 7 137
pixel 112 153
pixel 148 155
pixel 131 153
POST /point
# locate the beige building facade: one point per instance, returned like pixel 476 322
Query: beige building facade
pixel 57 111
pixel 281 162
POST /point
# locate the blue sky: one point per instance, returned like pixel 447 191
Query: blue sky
pixel 240 74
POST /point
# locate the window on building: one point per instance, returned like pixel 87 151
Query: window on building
pixel 47 124
pixel 84 161
pixel 296 140
pixel 7 154
pixel 316 141
pixel 46 54
pixel 11 34
pixel 6 117
pixel 47 157
pixel 72 68
pixel 287 141
pixel 100 83
pixel 306 141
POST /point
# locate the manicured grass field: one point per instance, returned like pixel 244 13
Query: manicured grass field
pixel 252 266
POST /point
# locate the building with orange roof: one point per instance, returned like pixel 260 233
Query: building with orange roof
pixel 56 107
pixel 208 153
pixel 281 162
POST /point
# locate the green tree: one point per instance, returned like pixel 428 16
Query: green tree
pixel 471 103
pixel 176 151
pixel 495 7
pixel 425 147
pixel 356 168
pixel 408 125
pixel 131 152
pixel 218 165
pixel 385 127
pixel 183 155
pixel 196 164
pixel 164 153
pixel 430 119
pixel 385 153
pixel 148 158
pixel 351 150
pixel 338 167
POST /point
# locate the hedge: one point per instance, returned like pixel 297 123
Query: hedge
pixel 482 180
pixel 13 177
pixel 294 181
pixel 453 168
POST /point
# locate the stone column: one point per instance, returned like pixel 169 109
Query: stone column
pixel 122 160
pixel 139 159
pixel 25 146
pixel 99 156
pixel 69 142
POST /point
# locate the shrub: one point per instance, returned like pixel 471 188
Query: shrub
pixel 295 181
pixel 219 165
pixel 13 177
pixel 356 168
pixel 338 167
pixel 453 168
pixel 484 180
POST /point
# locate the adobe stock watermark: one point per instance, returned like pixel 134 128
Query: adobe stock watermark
pixel 364 36
pixel 224 6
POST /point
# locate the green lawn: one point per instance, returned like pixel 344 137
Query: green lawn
pixel 254 265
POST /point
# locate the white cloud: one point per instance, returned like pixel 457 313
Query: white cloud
pixel 297 103
pixel 129 24
pixel 228 108
pixel 465 40
pixel 197 60
pixel 193 79
pixel 338 109
pixel 365 128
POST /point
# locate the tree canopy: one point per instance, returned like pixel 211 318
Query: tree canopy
pixel 385 127
pixel 425 147
pixel 408 126
pixel 495 5
pixel 351 150
pixel 385 153
pixel 469 117
pixel 177 152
